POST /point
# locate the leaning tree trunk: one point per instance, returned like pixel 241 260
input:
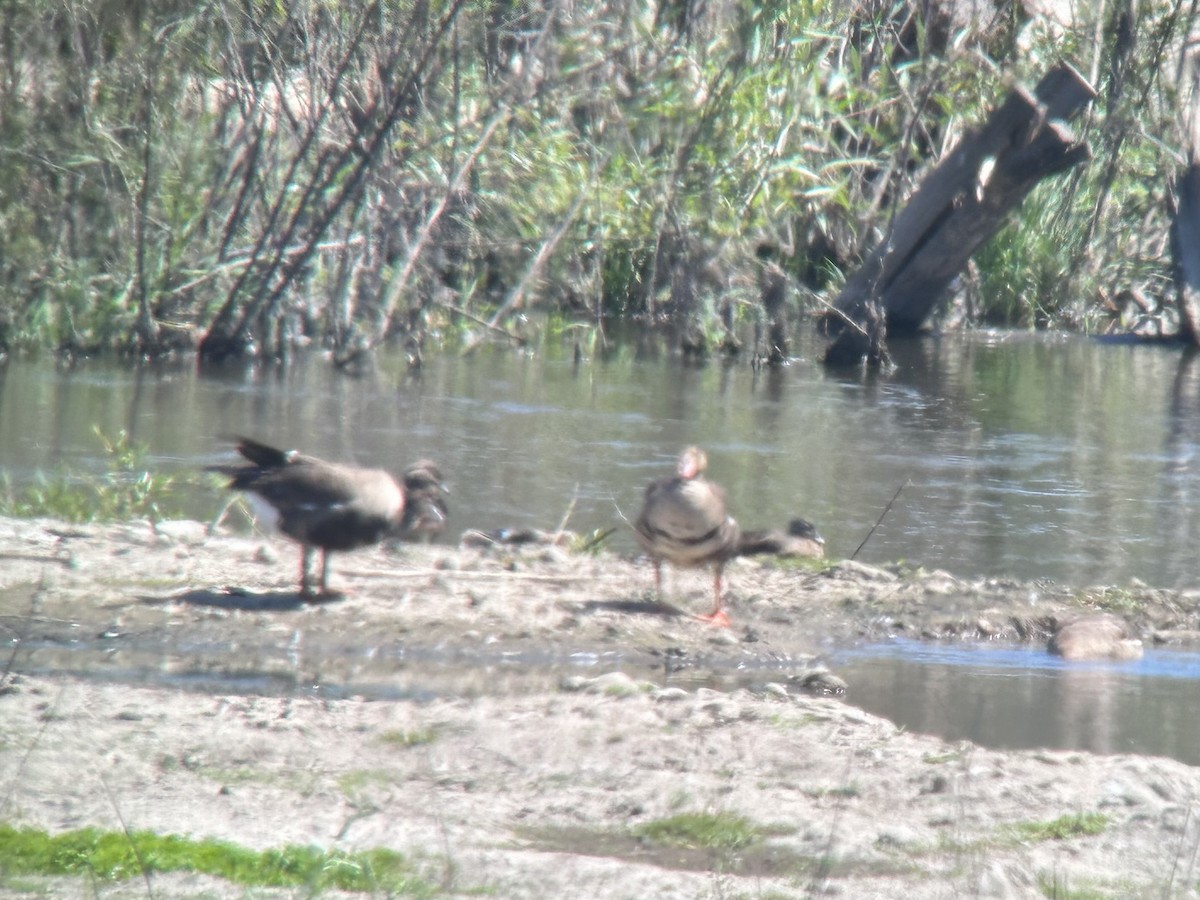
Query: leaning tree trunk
pixel 958 206
pixel 1185 225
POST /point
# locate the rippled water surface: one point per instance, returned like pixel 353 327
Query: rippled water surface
pixel 1014 455
pixel 1062 458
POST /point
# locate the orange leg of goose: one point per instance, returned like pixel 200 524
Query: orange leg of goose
pixel 718 616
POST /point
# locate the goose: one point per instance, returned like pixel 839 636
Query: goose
pixel 425 508
pixel 321 505
pixel 801 539
pixel 683 521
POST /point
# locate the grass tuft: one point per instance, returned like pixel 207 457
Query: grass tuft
pixel 1057 888
pixel 718 831
pixel 418 737
pixel 1063 828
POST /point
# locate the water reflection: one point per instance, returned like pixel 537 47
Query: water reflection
pixel 1036 456
pixel 1019 698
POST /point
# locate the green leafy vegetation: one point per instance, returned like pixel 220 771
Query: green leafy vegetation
pixel 117 856
pixel 127 489
pixel 248 178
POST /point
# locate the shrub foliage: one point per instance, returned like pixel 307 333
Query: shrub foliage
pixel 246 176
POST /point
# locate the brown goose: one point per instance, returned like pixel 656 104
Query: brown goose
pixel 684 522
pixel 425 507
pixel 319 504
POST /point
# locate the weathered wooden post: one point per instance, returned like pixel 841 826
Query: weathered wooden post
pixel 956 208
pixel 1185 249
pixel 772 289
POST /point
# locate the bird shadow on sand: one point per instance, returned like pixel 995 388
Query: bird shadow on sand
pixel 633 606
pixel 61 557
pixel 249 601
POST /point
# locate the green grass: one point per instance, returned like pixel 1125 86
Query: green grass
pixel 1062 828
pixel 936 759
pixel 416 738
pixel 843 792
pixel 794 722
pixel 1119 601
pixel 117 856
pixel 1055 888
pixel 592 542
pixel 716 831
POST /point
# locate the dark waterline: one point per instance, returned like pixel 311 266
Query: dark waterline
pixel 1024 455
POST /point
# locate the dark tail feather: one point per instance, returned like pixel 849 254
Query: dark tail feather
pixel 263 458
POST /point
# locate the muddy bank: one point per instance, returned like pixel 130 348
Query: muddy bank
pixel 173 680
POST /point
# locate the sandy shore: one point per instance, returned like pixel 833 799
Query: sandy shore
pixel 513 720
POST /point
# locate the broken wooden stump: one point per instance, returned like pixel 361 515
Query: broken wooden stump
pixel 772 288
pixel 1185 249
pixel 956 208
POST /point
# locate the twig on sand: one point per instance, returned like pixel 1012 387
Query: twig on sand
pixel 597 538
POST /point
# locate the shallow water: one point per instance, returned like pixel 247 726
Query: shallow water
pixel 1041 457
pixel 1022 698
pixel 1019 455
pixel 995 695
